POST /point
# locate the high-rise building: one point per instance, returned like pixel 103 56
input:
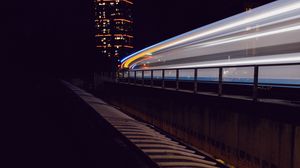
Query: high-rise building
pixel 114 33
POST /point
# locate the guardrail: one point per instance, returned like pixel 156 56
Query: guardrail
pixel 253 77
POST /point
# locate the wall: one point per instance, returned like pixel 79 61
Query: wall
pixel 241 132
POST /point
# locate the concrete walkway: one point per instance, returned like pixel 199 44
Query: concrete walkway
pixel 48 127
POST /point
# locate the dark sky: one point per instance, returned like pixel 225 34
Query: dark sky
pixel 156 20
pixel 57 37
pixel 48 38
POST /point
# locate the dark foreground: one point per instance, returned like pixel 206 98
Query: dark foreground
pixel 48 127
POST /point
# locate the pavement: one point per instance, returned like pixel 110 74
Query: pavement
pixel 46 126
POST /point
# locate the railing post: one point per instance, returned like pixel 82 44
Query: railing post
pixel 143 77
pixel 220 91
pixel 151 78
pixel 195 80
pixel 134 77
pixel 112 76
pixel 177 79
pixel 118 76
pixel 255 83
pixel 163 79
pixel 95 80
pixel 128 81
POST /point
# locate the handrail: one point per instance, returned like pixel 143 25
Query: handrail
pixel 220 78
pixel 216 67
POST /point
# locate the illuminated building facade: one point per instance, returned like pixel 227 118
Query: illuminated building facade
pixel 114 28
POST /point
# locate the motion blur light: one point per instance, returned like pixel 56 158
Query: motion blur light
pixel 272 22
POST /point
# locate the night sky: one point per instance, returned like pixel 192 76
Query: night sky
pixel 53 38
pixel 56 37
pixel 157 20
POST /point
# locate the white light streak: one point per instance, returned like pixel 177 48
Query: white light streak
pixel 272 13
pixel 278 59
pixel 230 40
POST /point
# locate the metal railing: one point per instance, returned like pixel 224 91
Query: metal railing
pixel 131 77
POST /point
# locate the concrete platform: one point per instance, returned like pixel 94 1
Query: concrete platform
pixel 48 127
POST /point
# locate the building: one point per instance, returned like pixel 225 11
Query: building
pixel 114 33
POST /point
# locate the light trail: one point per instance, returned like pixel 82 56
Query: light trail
pixel 283 13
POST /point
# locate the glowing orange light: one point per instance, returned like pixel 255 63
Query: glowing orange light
pixel 101 35
pixel 123 20
pixel 127 46
pixel 126 35
pixel 127 1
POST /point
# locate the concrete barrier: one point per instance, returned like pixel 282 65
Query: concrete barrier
pixel 296 158
pixel 241 132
